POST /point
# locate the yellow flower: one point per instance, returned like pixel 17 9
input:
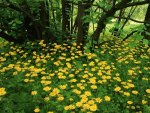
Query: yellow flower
pixel 99 100
pixel 57 46
pixel 135 92
pixel 50 112
pixel 85 65
pixel 148 90
pixel 26 80
pixel 68 65
pixel 144 102
pixel 130 72
pixel 54 92
pixel 71 75
pixel 66 108
pixel 46 99
pixel 86 106
pixel 84 100
pixel 47 88
pixel 129 102
pixel 93 86
pixel 92 64
pixel 91 102
pixel 60 98
pixel 73 80
pixel 131 85
pixel 117 89
pixel 74 44
pixel 93 107
pixel 41 42
pixel 33 92
pixel 70 99
pixel 36 110
pixel 92 80
pixel 63 86
pixel 76 91
pixel 107 67
pixel 79 104
pixel 132 107
pixel 107 98
pixel 71 107
pixel 99 73
pixel 87 93
pixel 2 91
pixel 126 94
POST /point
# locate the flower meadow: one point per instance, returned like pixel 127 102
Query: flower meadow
pixel 60 78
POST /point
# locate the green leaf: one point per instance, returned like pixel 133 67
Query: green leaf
pixel 18 22
pixel 132 44
pixel 146 109
pixel 126 111
pixel 79 64
pixel 145 42
pixel 148 33
pixel 138 37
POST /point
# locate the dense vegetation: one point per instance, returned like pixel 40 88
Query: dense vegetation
pixel 62 78
pixel 58 21
pixel 74 56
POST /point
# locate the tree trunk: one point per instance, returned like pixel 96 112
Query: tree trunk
pixel 80 34
pixel 66 8
pixel 83 10
pixel 147 19
pixel 102 24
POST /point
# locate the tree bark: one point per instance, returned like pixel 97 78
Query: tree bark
pixel 147 26
pixel 83 10
pixel 66 8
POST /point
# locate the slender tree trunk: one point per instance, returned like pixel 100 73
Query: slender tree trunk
pixel 83 10
pixel 80 34
pixel 66 8
pixel 71 26
pixel 30 27
pixel 147 19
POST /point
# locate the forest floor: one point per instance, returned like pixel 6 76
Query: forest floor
pixel 114 78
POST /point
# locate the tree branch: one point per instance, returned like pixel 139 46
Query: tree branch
pixel 133 20
pixel 10 38
pixel 130 34
pixel 17 8
pixel 133 4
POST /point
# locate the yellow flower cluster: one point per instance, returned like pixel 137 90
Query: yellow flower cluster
pixel 2 91
pixel 80 81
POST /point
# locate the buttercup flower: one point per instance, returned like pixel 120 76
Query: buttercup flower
pixel 129 102
pixel 117 89
pixel 2 91
pixel 33 92
pixel 107 98
pixel 36 110
pixel 93 107
pixel 148 90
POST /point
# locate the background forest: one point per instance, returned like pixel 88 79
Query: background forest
pixel 84 20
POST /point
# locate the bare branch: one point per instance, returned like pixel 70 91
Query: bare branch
pixel 132 19
pixel 133 4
